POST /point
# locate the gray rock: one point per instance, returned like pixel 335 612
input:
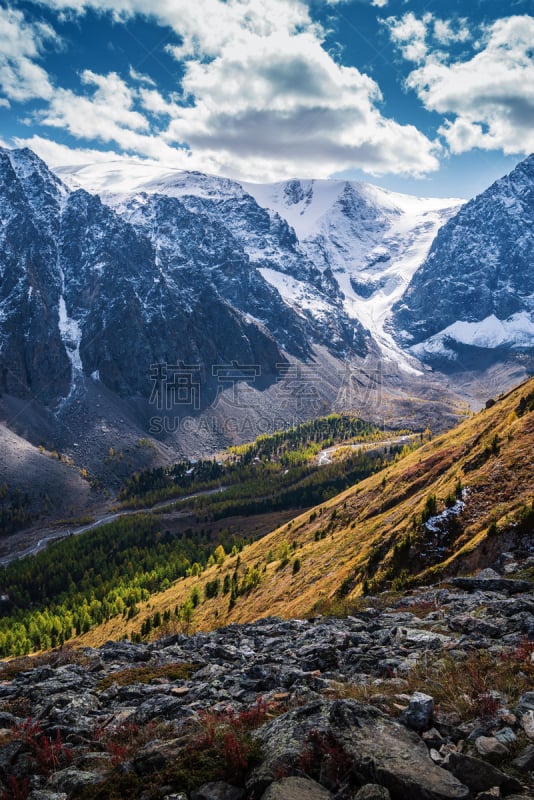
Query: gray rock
pixel 490 746
pixel 218 790
pixel 378 748
pixel 72 779
pixel 43 794
pixel 155 755
pixel 283 740
pixel 479 775
pixel 506 585
pixel 487 574
pixel 418 715
pixel 527 723
pixel 372 791
pixel 385 751
pixel 295 788
pixel 525 760
pixel 159 707
pixel 506 736
pixel 525 703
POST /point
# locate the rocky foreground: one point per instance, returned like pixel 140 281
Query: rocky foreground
pixel 426 698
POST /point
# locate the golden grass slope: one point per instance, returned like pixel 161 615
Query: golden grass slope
pixel 371 535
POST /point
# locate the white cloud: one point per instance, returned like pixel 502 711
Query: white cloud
pixel 107 114
pixel 297 108
pixel 487 98
pixel 379 3
pixel 260 98
pixel 409 33
pixel 56 154
pixel 418 37
pixel 445 33
pixel 21 45
pixel 139 77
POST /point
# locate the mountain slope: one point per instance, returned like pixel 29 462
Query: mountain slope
pixel 477 285
pixel 456 503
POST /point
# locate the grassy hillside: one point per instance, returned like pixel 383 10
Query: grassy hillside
pixel 85 580
pixel 452 505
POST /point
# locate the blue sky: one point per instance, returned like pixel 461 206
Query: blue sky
pixel 433 97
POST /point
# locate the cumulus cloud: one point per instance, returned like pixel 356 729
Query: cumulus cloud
pixel 106 114
pixel 57 155
pixel 21 46
pixel 260 98
pixel 487 98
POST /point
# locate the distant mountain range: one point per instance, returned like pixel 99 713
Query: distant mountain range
pixel 129 293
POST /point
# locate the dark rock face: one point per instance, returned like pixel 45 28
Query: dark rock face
pixel 83 291
pixel 33 360
pixel 87 291
pixel 480 262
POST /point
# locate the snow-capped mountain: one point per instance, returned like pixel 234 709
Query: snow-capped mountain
pixel 109 270
pixel 476 288
pixel 340 252
pixel 368 240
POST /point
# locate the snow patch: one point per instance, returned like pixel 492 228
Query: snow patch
pixel 434 524
pixel 113 180
pixel 71 336
pixel 491 332
pixel 296 293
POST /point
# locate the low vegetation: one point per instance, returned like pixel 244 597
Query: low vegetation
pixel 112 572
pixel 477 687
pixel 382 518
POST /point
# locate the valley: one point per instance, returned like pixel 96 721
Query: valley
pixel 265 475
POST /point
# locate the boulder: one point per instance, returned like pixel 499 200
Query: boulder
pixel 383 750
pixel 478 775
pixel 492 584
pixel 296 788
pixel 525 703
pixel 524 762
pixel 418 715
pixel 218 790
pixel 490 746
pixel 377 748
pixel 72 780
pixel 372 791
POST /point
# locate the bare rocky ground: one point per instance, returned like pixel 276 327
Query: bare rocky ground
pixel 425 696
pixel 53 486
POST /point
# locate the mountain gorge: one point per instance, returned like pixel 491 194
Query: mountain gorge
pixel 387 672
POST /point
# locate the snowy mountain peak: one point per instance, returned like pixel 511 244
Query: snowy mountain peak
pixel 476 287
pixel 331 249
